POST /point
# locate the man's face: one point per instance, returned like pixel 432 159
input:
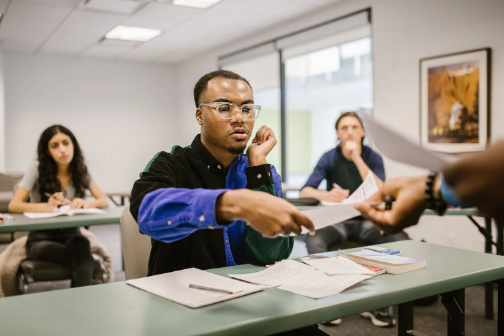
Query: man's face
pixel 349 128
pixel 232 134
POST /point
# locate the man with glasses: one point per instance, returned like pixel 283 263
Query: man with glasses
pixel 195 202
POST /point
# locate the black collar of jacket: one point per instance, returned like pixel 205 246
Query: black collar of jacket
pixel 208 159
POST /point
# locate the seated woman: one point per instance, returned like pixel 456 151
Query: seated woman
pixel 59 177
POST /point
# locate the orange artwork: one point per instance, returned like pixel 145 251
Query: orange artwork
pixel 453 107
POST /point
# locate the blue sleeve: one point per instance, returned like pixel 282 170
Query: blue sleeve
pixel 170 214
pixel 449 195
pixel 376 165
pixel 277 179
pixel 319 172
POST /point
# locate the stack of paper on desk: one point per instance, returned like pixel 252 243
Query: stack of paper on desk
pixel 392 263
pixel 174 286
pixel 322 217
pixel 298 278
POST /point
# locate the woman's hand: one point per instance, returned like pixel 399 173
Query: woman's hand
pixel 78 203
pixel 57 199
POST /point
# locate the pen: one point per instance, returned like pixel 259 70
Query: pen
pixel 210 289
pixel 335 185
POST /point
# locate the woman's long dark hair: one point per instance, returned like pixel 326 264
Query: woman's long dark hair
pixel 48 169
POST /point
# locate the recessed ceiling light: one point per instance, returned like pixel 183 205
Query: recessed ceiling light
pixel 136 34
pixel 196 3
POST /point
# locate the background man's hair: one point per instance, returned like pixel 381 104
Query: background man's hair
pixel 348 114
pixel 203 81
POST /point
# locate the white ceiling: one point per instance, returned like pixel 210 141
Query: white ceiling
pixel 68 27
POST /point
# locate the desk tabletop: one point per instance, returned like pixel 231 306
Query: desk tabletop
pixel 117 308
pixel 23 223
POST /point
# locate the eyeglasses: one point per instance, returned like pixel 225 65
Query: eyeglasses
pixel 228 110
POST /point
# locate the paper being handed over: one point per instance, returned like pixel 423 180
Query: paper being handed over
pixel 397 147
pixel 339 212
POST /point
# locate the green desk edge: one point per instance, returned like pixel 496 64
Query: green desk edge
pixel 23 223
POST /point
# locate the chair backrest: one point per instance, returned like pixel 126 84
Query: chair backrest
pixel 8 182
pixel 136 247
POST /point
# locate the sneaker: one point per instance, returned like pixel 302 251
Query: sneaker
pixel 380 317
pixel 333 322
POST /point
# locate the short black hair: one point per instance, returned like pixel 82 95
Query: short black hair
pixel 203 81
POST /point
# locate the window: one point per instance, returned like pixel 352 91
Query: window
pixel 319 86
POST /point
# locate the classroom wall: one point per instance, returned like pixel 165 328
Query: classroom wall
pixel 122 113
pixel 403 33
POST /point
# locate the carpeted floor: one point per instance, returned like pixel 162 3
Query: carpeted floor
pixel 428 320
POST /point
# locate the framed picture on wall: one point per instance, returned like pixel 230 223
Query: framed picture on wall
pixel 454 101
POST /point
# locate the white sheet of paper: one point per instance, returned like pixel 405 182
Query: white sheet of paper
pixel 295 277
pixel 338 266
pixel 274 275
pixel 174 286
pixel 317 284
pixel 399 148
pixel 367 189
pixel 322 217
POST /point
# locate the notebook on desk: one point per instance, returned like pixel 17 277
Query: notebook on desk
pixel 392 263
pixel 63 211
pixel 175 286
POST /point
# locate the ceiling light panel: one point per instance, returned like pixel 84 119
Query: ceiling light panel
pixel 137 34
pixel 196 3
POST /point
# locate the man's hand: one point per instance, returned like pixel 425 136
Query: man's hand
pixel 335 195
pixel 261 145
pixel 78 203
pixel 266 213
pixel 57 199
pixel 352 148
pixel 409 196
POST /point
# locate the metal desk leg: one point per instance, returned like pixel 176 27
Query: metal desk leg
pixel 500 234
pixel 405 319
pixel 489 311
pixel 454 303
pixel 500 308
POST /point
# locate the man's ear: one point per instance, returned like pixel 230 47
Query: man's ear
pixel 199 116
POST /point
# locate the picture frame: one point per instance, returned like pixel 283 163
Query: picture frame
pixel 455 101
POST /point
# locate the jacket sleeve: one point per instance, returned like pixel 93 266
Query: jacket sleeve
pixel 260 250
pixel 165 212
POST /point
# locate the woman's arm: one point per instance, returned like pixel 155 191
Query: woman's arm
pixel 100 200
pixel 18 203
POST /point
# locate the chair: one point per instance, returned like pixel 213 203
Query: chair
pixel 136 247
pixel 36 276
pixel 8 184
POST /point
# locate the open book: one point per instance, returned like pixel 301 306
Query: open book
pixel 175 286
pixel 392 263
pixel 62 211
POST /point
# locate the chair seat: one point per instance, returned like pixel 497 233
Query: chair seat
pixel 45 270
